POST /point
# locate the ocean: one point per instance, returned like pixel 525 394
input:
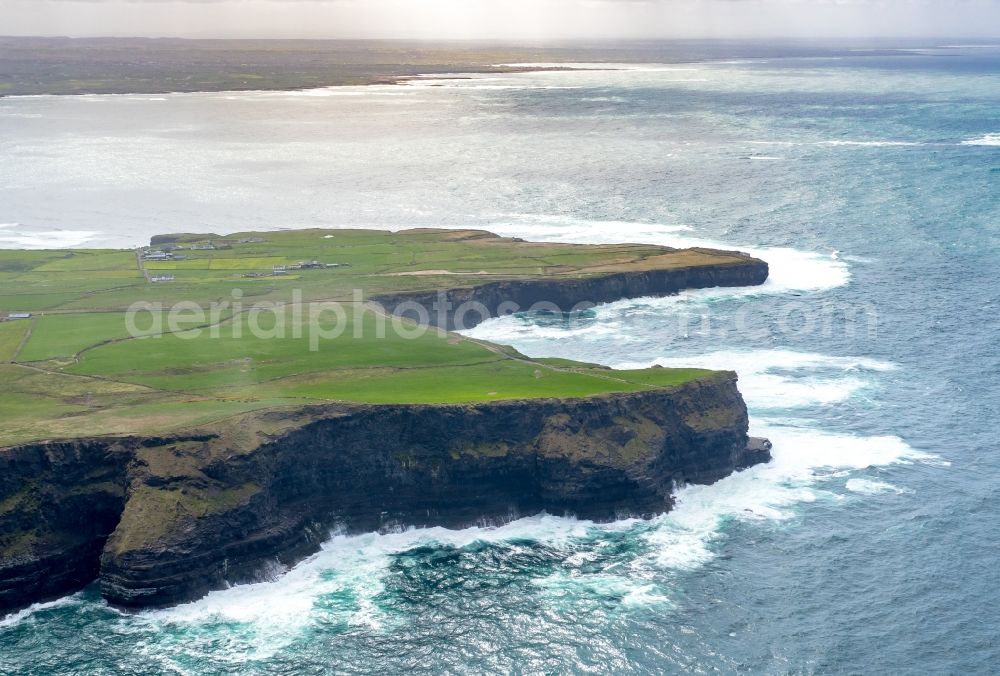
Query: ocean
pixel 870 181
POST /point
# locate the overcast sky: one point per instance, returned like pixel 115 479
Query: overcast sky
pixel 501 18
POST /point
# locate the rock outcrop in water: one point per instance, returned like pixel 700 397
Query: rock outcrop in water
pixel 163 521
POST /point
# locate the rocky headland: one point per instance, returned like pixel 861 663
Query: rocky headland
pixel 164 519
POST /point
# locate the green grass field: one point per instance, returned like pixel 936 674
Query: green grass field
pixel 78 371
pixel 63 335
pixel 12 334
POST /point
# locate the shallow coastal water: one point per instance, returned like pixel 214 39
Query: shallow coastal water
pixel 872 186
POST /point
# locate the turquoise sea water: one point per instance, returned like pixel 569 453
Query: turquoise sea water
pixel 869 181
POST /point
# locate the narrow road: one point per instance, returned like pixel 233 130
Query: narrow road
pixel 142 268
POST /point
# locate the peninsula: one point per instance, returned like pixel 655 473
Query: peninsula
pixel 71 66
pixel 203 411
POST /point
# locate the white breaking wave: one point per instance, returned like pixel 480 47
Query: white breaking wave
pixel 987 140
pixel 27 613
pixel 874 487
pixel 783 379
pixel 683 537
pixel 572 586
pixel 801 451
pixel 270 615
pixel 50 239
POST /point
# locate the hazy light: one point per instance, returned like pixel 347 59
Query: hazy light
pixel 525 19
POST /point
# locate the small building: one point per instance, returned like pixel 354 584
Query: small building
pixel 203 246
pixel 19 315
pixel 280 270
pixel 162 278
pixel 157 256
pixel 251 240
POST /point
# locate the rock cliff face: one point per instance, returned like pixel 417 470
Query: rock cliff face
pixel 59 502
pixel 165 521
pixel 464 308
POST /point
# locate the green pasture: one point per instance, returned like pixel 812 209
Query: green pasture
pixel 78 371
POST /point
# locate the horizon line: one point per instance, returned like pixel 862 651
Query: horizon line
pixel 634 39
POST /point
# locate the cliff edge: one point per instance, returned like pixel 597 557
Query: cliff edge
pixel 461 308
pixel 164 521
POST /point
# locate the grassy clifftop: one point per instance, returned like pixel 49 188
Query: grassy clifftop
pixel 75 368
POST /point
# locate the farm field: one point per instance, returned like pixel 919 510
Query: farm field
pixel 218 336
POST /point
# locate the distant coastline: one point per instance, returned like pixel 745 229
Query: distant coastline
pixel 40 66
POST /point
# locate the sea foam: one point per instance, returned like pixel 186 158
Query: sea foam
pixel 27 614
pixel 783 379
pixel 873 487
pixel 341 583
pixel 33 238
pixel 802 457
pixel 987 140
